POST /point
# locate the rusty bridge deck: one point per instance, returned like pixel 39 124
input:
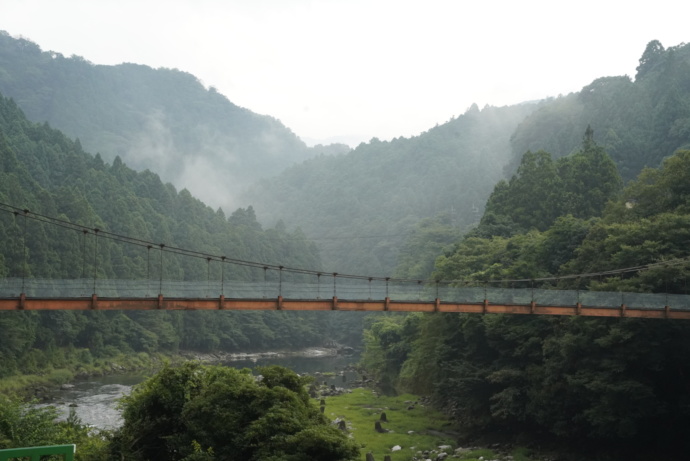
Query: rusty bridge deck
pixel 333 304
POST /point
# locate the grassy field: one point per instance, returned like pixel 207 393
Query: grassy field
pixel 416 429
pixel 412 426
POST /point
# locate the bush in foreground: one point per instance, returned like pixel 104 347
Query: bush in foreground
pixel 198 412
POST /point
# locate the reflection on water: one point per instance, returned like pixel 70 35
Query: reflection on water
pixel 96 398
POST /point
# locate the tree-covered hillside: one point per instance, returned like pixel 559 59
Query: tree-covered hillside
pixel 164 120
pixel 639 122
pixel 595 388
pixel 359 207
pixel 47 173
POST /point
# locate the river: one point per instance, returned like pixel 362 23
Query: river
pixel 96 398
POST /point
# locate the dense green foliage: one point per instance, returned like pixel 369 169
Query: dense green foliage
pixel 618 385
pixel 608 382
pixel 47 173
pixel 650 224
pixel 579 185
pixel 164 120
pixel 196 412
pixel 639 122
pixel 360 207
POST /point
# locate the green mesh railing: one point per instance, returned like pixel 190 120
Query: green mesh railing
pixel 66 452
pixel 343 289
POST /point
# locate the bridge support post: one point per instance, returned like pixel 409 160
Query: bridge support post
pixel 485 306
pixel 160 301
pixel 623 308
pixel 94 301
pixel 334 304
pixel 532 307
pixel 667 310
pixel 22 301
pixel 437 304
pixel 578 308
pixel 279 303
pixel 221 302
pixel 386 303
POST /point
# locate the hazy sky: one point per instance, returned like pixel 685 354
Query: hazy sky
pixel 351 70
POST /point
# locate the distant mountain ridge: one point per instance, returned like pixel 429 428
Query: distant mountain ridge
pixel 50 176
pixel 638 121
pixel 362 205
pixel 164 120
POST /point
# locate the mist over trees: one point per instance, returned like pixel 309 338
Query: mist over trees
pixel 163 120
pixel 638 122
pixel 595 388
pixel 47 173
pixel 587 385
pixel 360 207
pixel 578 196
pixel 579 185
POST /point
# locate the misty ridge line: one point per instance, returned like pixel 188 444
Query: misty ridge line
pixel 225 165
pixel 228 156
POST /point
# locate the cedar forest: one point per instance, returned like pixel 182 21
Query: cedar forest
pixel 586 182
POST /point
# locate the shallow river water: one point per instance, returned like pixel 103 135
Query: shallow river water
pixel 96 398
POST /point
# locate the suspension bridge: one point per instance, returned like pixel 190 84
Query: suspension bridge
pixel 275 287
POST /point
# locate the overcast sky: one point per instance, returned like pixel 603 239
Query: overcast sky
pixel 351 70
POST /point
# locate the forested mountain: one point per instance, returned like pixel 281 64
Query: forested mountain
pixel 47 173
pixel 639 122
pixel 578 201
pixel 595 388
pixel 359 207
pixel 164 120
pixel 542 190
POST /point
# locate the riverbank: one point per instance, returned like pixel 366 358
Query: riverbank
pixel 94 399
pixel 417 428
pixel 42 386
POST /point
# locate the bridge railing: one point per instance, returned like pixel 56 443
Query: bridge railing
pixel 342 289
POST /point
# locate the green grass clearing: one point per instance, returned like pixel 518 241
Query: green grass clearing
pixel 417 429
